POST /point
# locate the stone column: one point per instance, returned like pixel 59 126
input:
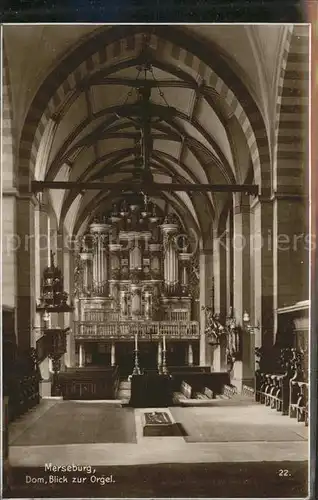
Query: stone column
pixel 113 354
pixel 243 369
pixel 26 300
pixel 290 251
pixel 229 261
pixel 262 270
pixel 219 273
pixel 81 356
pixel 190 354
pixel 206 269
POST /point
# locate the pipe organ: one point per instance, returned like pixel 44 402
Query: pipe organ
pixel 135 265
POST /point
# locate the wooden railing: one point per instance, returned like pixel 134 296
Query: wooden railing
pixel 86 330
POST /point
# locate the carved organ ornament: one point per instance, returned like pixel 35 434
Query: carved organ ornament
pixel 135 258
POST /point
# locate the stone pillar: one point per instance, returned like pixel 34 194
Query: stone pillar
pixel 219 272
pixel 10 247
pixel 206 268
pixel 290 251
pixel 81 356
pixel 113 354
pixel 229 261
pixel 241 256
pixel 243 369
pixel 262 269
pixel 190 354
pixel 26 300
pixel 69 357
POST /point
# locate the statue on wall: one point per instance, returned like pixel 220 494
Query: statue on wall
pixel 234 339
pixel 214 329
pixel 78 275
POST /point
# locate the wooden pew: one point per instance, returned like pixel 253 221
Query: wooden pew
pixel 206 394
pixel 184 393
pixel 23 384
pixel 272 391
pixel 286 392
pixel 298 407
pixel 91 383
pixel 199 380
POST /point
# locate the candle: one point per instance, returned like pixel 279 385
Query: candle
pixel 136 346
pixel 164 342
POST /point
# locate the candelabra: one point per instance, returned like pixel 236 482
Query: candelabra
pixel 136 370
pixel 164 369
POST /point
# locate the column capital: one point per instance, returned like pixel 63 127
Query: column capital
pixel 258 200
pixel 10 191
pixel 29 197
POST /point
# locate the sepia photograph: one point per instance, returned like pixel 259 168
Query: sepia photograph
pixel 155 261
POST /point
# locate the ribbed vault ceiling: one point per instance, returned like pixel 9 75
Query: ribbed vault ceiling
pixel 92 133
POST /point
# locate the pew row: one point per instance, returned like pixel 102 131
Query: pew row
pixel 283 393
pixel 89 383
pixel 195 388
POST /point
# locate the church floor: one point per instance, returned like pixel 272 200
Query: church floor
pixel 257 442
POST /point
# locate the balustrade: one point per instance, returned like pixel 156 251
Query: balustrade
pixel 123 329
pixel 100 315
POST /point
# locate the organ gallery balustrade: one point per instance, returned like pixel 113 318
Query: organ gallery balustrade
pixel 124 330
